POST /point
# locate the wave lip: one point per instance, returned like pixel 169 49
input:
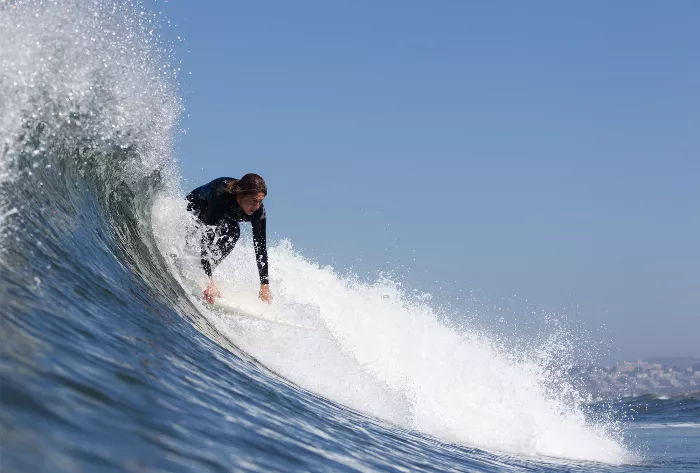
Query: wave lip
pixel 83 73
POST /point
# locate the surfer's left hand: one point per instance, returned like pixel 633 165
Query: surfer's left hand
pixel 211 292
pixel 264 294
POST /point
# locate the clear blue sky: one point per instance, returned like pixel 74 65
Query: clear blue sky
pixel 545 149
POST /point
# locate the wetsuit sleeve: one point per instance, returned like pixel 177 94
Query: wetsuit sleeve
pixel 260 244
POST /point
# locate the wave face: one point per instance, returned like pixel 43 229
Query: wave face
pixel 111 363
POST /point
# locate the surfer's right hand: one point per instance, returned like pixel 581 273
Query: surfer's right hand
pixel 211 293
pixel 264 294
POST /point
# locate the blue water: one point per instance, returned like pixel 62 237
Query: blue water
pixel 109 362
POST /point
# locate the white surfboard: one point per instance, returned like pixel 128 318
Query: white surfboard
pixel 259 313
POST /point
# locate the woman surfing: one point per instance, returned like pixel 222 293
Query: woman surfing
pixel 220 205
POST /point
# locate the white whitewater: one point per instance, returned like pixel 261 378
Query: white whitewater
pixel 381 353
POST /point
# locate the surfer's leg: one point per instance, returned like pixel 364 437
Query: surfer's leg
pixel 229 233
pixel 208 236
pixel 218 243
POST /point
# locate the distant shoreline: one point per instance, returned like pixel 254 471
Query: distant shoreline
pixel 638 378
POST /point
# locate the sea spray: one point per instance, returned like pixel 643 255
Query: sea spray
pixel 86 86
pixel 83 74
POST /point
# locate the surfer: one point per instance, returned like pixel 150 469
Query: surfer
pixel 220 205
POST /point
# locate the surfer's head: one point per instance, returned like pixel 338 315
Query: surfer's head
pixel 250 191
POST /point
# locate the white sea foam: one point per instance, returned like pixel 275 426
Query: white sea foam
pixel 385 354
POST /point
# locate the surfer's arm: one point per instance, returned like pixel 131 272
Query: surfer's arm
pixel 260 244
pixel 207 239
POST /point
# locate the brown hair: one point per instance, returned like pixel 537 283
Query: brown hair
pixel 250 184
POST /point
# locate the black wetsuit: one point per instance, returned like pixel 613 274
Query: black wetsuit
pixel 219 210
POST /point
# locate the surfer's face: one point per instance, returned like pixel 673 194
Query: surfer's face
pixel 250 202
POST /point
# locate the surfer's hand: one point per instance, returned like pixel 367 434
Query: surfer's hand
pixel 264 294
pixel 211 293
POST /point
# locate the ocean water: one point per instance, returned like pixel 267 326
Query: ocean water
pixel 110 362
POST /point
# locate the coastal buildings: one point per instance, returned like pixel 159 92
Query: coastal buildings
pixel 639 377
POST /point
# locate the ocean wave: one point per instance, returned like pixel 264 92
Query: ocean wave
pixel 98 320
